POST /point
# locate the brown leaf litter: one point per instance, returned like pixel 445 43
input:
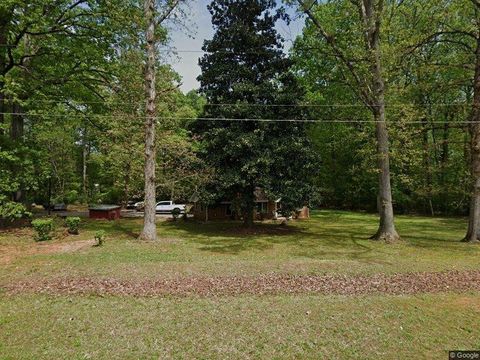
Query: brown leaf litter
pixel 269 284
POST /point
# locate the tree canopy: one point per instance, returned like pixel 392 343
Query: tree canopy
pixel 251 93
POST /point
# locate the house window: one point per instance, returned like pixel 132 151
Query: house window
pixel 262 207
pixel 228 210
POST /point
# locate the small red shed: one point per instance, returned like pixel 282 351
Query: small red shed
pixel 109 212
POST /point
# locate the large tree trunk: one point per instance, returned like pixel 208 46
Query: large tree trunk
pixel 248 216
pixel 248 206
pixel 2 109
pixel 84 165
pixel 149 231
pixel 16 134
pixel 126 184
pixel 474 129
pixel 17 126
pixel 4 22
pixel 386 230
pixel 427 164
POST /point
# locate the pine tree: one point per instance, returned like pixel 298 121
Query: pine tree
pixel 246 76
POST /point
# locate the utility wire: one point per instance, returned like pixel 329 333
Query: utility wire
pixel 239 119
pixel 395 105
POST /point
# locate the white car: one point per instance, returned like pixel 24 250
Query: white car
pixel 167 207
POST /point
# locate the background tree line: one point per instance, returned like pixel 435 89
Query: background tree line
pixel 385 80
pixel 71 106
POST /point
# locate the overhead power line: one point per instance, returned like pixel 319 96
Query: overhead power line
pixel 234 119
pixel 394 105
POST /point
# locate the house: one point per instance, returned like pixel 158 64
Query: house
pixel 265 209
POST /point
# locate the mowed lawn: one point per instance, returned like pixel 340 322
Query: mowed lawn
pixel 46 326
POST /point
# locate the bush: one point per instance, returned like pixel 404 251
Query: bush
pixel 71 197
pixel 113 196
pixel 100 236
pixel 43 227
pixel 72 224
pixel 11 210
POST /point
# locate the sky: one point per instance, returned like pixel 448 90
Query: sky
pixel 188 42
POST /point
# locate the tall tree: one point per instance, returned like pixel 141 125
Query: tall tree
pixel 154 20
pixel 149 231
pixel 60 49
pixel 455 30
pixel 472 31
pixel 246 79
pixel 364 73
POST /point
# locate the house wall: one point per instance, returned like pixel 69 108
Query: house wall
pixel 219 212
pixel 105 214
pixel 270 214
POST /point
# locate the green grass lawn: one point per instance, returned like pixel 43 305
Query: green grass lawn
pixel 330 242
pixel 34 326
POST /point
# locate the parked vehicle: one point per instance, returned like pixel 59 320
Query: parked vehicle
pixel 166 207
pixel 56 207
pixel 139 206
pixel 131 205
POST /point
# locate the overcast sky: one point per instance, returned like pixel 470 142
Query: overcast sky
pixel 186 63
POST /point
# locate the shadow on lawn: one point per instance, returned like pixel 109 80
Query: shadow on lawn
pixel 128 227
pixel 299 238
pixel 232 238
pixel 232 229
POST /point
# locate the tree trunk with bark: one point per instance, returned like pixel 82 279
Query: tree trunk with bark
pixel 126 183
pixel 248 216
pixel 2 109
pixel 84 165
pixel 149 231
pixel 371 91
pixel 4 22
pixel 371 18
pixel 386 230
pixel 17 125
pixel 248 206
pixel 16 134
pixel 474 130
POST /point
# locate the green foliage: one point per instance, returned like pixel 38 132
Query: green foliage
pixel 73 223
pixel 245 65
pixel 100 236
pixel 74 69
pixel 12 210
pixel 428 83
pixel 44 228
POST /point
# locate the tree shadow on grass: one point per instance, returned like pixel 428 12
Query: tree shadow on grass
pixel 231 238
pixel 128 227
pixel 349 246
pixel 455 245
pixel 231 229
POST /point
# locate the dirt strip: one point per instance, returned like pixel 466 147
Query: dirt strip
pixel 405 283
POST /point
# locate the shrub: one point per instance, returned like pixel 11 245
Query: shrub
pixel 100 236
pixel 11 210
pixel 72 224
pixel 71 197
pixel 43 227
pixel 113 196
